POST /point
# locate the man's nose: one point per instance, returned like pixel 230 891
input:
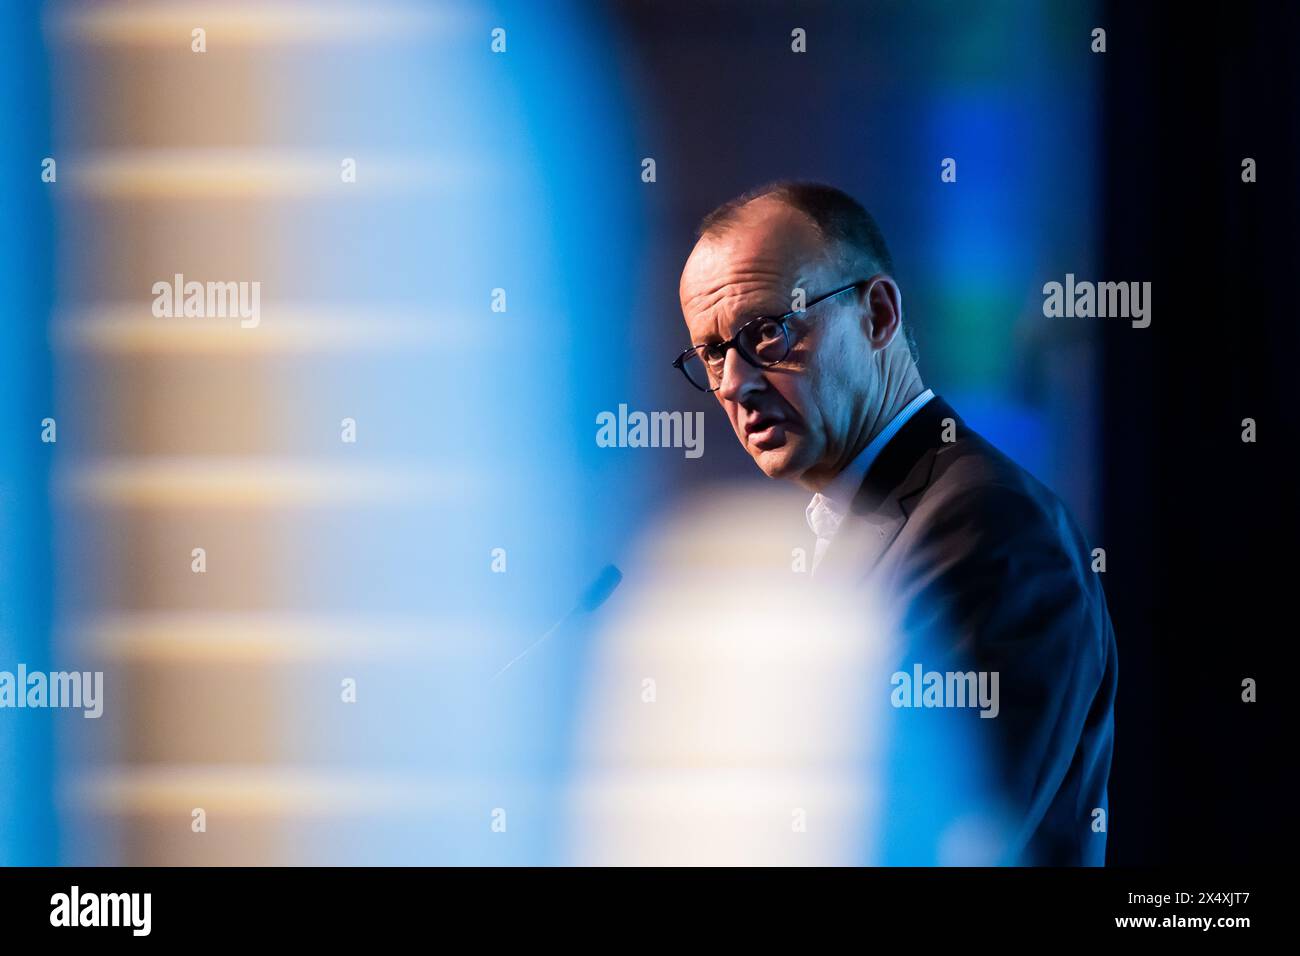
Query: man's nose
pixel 739 378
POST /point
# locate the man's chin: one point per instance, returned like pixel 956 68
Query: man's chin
pixel 783 463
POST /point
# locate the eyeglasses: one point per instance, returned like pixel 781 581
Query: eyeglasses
pixel 763 341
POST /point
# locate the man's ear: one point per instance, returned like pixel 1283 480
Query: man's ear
pixel 882 316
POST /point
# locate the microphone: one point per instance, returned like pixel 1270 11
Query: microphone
pixel 599 590
pixel 593 596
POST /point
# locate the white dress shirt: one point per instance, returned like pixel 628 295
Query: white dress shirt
pixel 827 509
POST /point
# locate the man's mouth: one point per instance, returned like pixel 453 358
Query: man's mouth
pixel 766 432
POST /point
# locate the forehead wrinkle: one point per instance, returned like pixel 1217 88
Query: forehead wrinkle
pixel 738 295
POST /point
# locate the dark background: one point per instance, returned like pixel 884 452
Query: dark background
pixel 1206 523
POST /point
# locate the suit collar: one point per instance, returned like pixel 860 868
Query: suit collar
pixel 904 466
pixel 887 494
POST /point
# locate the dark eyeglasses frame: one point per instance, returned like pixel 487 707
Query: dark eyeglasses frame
pixel 679 363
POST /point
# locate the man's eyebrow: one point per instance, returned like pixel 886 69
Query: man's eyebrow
pixel 744 316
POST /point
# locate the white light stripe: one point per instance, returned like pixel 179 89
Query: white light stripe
pixel 261 791
pixel 169 23
pixel 155 481
pixel 132 329
pixel 187 637
pixel 265 173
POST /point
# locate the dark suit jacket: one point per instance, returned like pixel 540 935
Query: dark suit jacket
pixel 986 570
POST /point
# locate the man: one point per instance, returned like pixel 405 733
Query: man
pixel 797 330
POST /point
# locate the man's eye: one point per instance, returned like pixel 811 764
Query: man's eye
pixel 714 354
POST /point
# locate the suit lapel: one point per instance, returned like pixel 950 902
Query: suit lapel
pixel 890 489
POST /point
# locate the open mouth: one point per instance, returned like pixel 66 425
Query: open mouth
pixel 767 432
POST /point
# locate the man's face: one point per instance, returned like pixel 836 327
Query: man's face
pixel 796 418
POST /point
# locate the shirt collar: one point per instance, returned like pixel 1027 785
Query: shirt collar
pixel 827 508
